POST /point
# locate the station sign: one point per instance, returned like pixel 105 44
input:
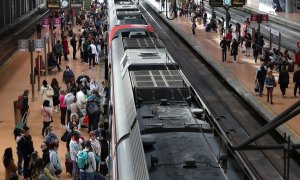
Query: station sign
pixel 39 45
pixel 238 3
pixel 228 3
pixel 46 22
pixel 56 22
pixel 23 45
pixel 216 3
pixel 76 3
pixel 53 4
pixel 259 18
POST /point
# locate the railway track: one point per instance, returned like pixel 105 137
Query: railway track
pixel 234 119
pixel 23 30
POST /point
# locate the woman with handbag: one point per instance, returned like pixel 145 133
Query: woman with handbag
pixel 56 89
pixel 47 92
pixel 46 113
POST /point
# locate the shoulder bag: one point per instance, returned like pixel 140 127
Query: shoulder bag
pixel 49 92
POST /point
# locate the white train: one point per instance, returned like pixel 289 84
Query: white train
pixel 154 131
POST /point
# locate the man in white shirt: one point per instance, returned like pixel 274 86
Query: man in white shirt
pixel 92 53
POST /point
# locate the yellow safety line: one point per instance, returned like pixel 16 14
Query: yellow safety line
pixel 292 130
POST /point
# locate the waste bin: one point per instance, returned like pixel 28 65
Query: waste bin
pixel 16 112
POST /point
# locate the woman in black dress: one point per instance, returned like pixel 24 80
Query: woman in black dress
pixel 56 88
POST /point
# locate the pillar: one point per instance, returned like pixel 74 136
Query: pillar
pixel 289 6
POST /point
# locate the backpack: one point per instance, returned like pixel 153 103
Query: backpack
pixel 42 176
pixel 20 102
pixel 83 160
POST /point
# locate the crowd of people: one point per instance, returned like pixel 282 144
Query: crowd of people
pixel 230 42
pixel 82 103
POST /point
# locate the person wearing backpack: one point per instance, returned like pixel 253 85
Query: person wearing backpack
pixel 55 165
pixel 93 110
pixel 75 146
pixel 86 162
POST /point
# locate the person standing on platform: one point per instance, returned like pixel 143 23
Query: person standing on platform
pixel 63 107
pixel 25 106
pixel 228 38
pixel 260 78
pixel 26 148
pixel 85 47
pixel 234 49
pixel 47 92
pixel 73 43
pixel 38 30
pixel 194 27
pixel 9 164
pixel 58 48
pixel 256 50
pixel 68 100
pixel 68 76
pixel 223 45
pixel 296 80
pixel 247 44
pixel 283 80
pixel 92 54
pixel 270 84
pixel 46 113
pixel 66 48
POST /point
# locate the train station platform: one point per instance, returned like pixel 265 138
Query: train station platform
pixel 240 76
pixel 14 79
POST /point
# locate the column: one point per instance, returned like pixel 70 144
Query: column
pixel 289 6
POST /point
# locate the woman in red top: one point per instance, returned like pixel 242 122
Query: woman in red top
pixel 65 48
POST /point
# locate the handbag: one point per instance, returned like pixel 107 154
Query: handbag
pixel 64 137
pixel 79 113
pixel 86 119
pixel 256 87
pixel 13 176
pixel 49 92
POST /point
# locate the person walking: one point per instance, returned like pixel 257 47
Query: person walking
pixel 256 50
pixel 234 49
pixel 73 43
pixel 194 27
pixel 58 49
pixel 270 84
pixel 9 164
pixel 260 78
pixel 68 76
pixel 93 110
pixel 66 48
pixel 26 148
pixel 56 89
pixel 88 174
pixel 247 44
pixel 296 80
pixel 47 92
pixel 228 38
pixel 283 80
pixel 223 45
pixel 38 30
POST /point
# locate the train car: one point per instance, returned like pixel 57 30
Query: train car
pixel 124 12
pixel 157 132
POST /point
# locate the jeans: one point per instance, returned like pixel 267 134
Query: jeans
pixel 20 161
pixel 45 128
pixel 92 60
pixel 297 86
pixel 86 175
pixel 224 54
pixel 74 52
pixel 63 111
pixel 93 121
